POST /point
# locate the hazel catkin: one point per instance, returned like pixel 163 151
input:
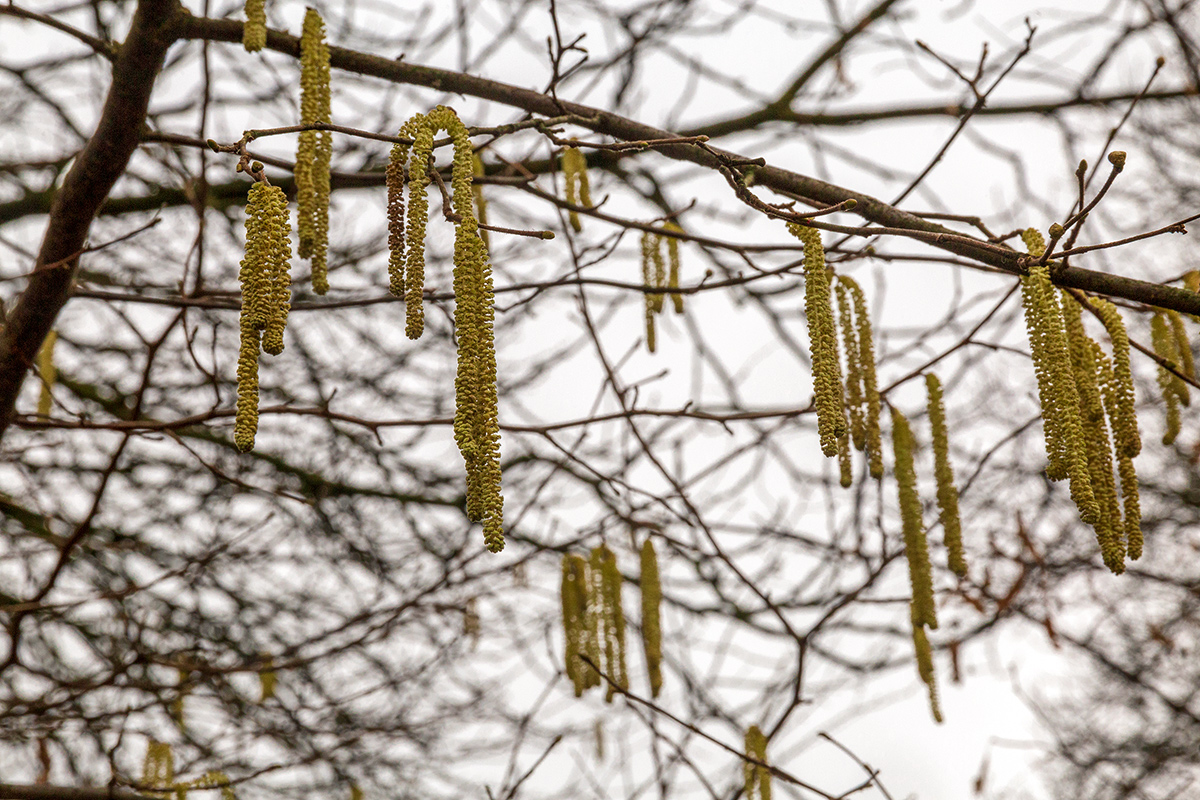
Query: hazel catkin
pixel 254 32
pixel 916 547
pixel 651 616
pixel 755 771
pixel 947 492
pixel 827 378
pixel 314 151
pixel 47 373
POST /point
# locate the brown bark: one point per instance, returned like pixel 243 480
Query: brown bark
pixel 84 189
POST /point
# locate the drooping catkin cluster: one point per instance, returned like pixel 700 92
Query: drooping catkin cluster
pixel 826 370
pixel 48 374
pixel 651 619
pixel 947 492
pixel 476 420
pixel 1066 450
pixel 755 771
pixel 593 621
pixel 862 392
pixel 655 276
pixel 266 294
pixel 254 32
pixel 314 152
pixel 1171 344
pixel 575 177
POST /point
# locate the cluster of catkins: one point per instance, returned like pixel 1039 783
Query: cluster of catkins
pixel 1085 393
pixel 660 273
pixel 266 296
pixel 265 282
pixel 476 421
pixel 594 622
pixel 848 412
pixel 858 396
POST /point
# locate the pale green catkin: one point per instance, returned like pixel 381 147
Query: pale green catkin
pixel 1121 411
pixel 865 361
pixel 916 547
pixel 1065 447
pixel 947 492
pixel 1086 375
pixel 610 582
pixel 1187 361
pixel 827 378
pixel 673 260
pixel 1174 390
pixel 48 374
pixel 315 150
pixel 575 177
pixel 854 372
pixel 1111 390
pixel 574 616
pixel 651 616
pixel 653 301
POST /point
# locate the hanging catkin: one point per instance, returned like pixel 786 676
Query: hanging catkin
pixel 314 152
pixel 254 32
pixel 827 377
pixel 651 617
pixel 916 548
pixel 947 492
pixel 755 771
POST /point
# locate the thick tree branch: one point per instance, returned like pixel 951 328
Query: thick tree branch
pixel 84 189
pixel 820 192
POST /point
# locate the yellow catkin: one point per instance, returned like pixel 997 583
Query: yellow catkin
pixel 395 214
pixel 673 261
pixel 209 780
pixel 1131 502
pixel 314 151
pixel 1187 362
pixel 574 617
pixel 254 32
pixel 1121 411
pixel 925 669
pixel 649 250
pixel 1065 447
pixel 827 378
pixel 48 373
pixel 651 616
pixel 916 547
pixel 264 280
pixel 754 770
pixel 476 416
pixel 158 768
pixel 1088 377
pixel 1174 390
pixel 947 492
pixel 855 405
pixel 478 171
pixel 575 178
pixel 606 581
pixel 266 679
pixel 865 360
pixel 418 221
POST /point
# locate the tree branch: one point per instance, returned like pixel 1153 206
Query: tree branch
pixel 83 191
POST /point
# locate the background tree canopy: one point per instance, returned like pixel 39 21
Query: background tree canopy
pixel 319 617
